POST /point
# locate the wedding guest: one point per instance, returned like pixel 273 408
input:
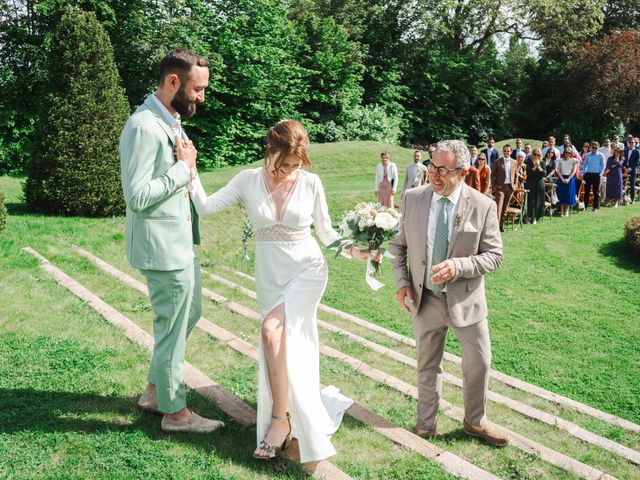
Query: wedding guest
pixel 430 151
pixel 550 161
pixel 594 165
pixel 527 152
pixel 535 184
pixel 490 153
pixel 605 150
pixel 473 178
pixel 617 143
pixel 291 274
pixel 551 144
pixel 415 174
pixel 485 175
pixel 631 162
pixel 566 186
pixel 503 181
pixel 613 172
pixel 518 149
pixel 473 152
pixel 566 140
pixel 386 180
pixel 162 230
pixel 442 286
pixel 586 149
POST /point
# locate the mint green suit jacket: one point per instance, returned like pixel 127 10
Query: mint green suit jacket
pixel 162 224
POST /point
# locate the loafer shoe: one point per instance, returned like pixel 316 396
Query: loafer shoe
pixel 195 423
pixel 424 433
pixel 490 434
pixel 148 403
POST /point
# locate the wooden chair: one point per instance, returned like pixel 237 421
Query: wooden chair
pixel 517 207
pixel 549 192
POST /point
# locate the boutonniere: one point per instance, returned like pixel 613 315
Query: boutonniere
pixel 459 219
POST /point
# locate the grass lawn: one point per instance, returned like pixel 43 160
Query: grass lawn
pixel 564 311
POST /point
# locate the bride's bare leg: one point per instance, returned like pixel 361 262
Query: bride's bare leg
pixel 274 346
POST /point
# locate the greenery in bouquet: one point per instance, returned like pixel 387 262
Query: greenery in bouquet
pixel 369 225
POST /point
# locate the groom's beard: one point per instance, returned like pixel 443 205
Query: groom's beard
pixel 182 105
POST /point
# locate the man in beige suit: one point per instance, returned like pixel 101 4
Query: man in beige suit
pixel 449 239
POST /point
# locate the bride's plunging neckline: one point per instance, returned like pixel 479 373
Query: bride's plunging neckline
pixel 279 215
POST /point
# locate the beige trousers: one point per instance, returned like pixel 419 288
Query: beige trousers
pixel 430 329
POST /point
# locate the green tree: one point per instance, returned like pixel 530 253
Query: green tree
pixel 255 82
pixel 75 167
pixel 333 70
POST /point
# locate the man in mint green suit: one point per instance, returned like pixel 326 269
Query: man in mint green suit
pixel 162 227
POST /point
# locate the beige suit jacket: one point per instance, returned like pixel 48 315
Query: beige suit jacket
pixel 475 246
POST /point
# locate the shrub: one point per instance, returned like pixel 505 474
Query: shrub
pixel 75 168
pixel 3 212
pixel 632 234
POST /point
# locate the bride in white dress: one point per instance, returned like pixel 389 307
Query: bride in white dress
pixel 283 201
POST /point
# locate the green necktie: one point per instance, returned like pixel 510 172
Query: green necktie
pixel 440 243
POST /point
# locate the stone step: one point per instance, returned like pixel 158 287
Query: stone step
pixel 194 378
pixel 558 459
pixel 449 461
pixel 502 377
pixel 526 410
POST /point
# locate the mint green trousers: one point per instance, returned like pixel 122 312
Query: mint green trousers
pixel 176 299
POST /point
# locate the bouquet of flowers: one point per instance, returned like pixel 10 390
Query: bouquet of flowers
pixel 369 225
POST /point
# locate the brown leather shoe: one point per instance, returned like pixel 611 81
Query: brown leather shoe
pixel 488 433
pixel 195 423
pixel 148 403
pixel 426 434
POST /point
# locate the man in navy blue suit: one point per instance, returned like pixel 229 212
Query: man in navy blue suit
pixel 518 149
pixel 631 162
pixel 490 152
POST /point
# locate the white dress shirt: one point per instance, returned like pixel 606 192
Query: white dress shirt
pixel 507 171
pixel 434 211
pixel 174 124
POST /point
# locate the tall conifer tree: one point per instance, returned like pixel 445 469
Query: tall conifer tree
pixel 75 168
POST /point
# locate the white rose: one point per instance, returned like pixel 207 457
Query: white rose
pixel 369 222
pixel 385 221
pixel 361 224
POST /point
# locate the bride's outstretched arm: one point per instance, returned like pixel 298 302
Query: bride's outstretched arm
pixel 228 195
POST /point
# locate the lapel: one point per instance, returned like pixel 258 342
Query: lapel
pixel 151 105
pixel 423 218
pixel 461 210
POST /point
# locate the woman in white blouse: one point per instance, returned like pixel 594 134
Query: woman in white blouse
pixel 386 180
pixel 566 187
pixel 283 201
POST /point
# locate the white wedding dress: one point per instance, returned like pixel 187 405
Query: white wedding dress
pixel 290 269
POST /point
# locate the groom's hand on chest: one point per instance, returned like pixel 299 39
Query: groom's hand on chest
pixel 185 151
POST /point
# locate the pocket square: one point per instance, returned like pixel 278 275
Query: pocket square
pixel 469 228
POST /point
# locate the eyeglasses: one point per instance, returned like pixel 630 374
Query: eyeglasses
pixel 442 171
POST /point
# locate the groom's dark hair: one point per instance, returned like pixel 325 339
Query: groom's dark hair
pixel 180 61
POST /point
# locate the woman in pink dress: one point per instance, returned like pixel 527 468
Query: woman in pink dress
pixel 386 180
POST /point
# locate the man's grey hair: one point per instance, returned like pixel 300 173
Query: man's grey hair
pixel 521 154
pixel 459 149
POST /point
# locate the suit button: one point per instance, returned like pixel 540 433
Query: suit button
pixel 419 285
pixel 189 217
pixel 186 194
pixel 424 262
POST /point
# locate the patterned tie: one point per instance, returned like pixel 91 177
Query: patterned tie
pixel 440 243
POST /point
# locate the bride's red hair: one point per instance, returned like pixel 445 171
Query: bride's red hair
pixel 286 137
